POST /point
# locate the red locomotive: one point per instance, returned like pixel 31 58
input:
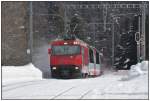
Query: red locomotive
pixel 71 58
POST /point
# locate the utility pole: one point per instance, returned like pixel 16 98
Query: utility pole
pixel 139 29
pixel 143 31
pixel 105 16
pixel 113 51
pixel 139 39
pixel 31 30
pixel 113 38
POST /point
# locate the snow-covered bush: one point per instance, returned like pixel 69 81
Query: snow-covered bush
pixel 139 68
pixel 144 65
pixel 136 70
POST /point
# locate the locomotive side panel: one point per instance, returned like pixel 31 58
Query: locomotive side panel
pixel 85 60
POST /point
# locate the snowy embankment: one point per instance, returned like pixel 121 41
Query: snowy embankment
pixel 136 70
pixel 15 74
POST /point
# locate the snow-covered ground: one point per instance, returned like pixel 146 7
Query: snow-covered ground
pixel 15 74
pixel 131 84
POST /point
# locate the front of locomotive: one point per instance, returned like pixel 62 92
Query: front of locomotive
pixel 65 59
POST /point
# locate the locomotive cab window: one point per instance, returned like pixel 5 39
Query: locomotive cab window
pixel 91 55
pixel 97 58
pixel 65 50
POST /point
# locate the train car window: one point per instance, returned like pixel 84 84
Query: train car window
pixel 91 55
pixel 97 58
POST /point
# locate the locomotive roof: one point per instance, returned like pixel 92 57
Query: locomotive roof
pixel 81 42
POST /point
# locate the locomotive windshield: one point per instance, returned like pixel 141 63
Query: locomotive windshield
pixel 65 50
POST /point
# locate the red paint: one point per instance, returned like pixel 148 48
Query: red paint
pixel 75 59
pixel 86 56
pixel 66 60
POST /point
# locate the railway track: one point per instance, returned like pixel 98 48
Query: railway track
pixel 103 87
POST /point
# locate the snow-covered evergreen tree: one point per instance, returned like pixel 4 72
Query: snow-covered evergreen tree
pixel 126 51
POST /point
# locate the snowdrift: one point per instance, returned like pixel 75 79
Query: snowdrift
pixel 137 70
pixel 14 74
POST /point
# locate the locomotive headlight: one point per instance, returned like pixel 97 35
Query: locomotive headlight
pixel 76 67
pixel 53 68
pixel 75 42
pixel 65 43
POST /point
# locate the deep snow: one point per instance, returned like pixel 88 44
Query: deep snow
pixel 15 74
pixel 137 70
pixel 132 84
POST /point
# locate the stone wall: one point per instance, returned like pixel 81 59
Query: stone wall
pixel 15 22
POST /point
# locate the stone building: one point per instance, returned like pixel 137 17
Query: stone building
pixel 15 24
